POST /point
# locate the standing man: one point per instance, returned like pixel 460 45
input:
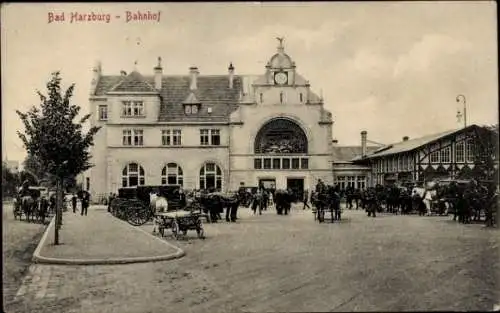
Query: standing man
pixel 73 202
pixel 85 202
pixel 306 200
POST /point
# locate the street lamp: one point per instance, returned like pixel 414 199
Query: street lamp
pixel 465 107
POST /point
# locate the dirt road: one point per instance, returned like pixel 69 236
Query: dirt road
pixel 290 263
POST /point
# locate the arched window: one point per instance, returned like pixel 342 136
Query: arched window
pixel 210 176
pixel 280 135
pixel 172 175
pixel 133 175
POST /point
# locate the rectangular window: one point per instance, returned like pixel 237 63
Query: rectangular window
pixel 215 136
pixel 132 108
pixel 127 137
pixel 204 137
pixel 361 182
pixel 304 163
pixel 301 97
pixel 445 155
pixel 176 137
pixel 257 164
pixel 460 152
pixel 295 163
pixel 341 181
pixel 470 150
pixel 210 137
pixel 286 164
pixel 261 98
pixel 276 163
pixel 267 163
pixel 103 112
pixel 434 157
pixel 165 137
pixel 171 137
pixel 138 137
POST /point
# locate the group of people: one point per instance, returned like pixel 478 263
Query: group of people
pixel 84 198
pixel 466 201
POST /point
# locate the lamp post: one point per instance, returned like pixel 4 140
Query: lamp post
pixel 465 107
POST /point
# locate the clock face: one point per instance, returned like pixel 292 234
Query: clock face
pixel 281 78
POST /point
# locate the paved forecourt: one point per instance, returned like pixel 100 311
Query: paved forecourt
pixel 289 263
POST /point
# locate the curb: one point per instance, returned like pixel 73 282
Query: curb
pixel 37 258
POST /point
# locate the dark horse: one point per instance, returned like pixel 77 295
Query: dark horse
pixel 28 207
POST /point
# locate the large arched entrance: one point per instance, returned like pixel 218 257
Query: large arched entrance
pixel 282 145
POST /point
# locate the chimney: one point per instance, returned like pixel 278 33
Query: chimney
pixel 95 77
pixel 363 143
pixel 231 75
pixel 158 74
pixel 193 72
pixel 123 73
pixel 405 138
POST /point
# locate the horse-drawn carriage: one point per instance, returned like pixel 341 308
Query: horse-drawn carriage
pixel 140 204
pixel 33 204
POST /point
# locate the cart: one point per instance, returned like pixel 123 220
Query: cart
pixel 180 222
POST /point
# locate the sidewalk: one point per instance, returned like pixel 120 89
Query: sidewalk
pixel 100 238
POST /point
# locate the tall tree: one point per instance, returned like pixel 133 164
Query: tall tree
pixel 55 140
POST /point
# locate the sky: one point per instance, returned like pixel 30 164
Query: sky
pixel 393 69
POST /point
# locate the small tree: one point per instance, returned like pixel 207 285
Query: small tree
pixel 55 140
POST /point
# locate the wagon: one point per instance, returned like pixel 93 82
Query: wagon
pixel 180 222
pixel 133 203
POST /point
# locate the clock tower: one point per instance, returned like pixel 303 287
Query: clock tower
pixel 280 69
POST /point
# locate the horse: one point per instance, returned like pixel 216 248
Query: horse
pixel 28 206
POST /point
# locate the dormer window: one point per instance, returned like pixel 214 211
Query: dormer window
pixel 191 109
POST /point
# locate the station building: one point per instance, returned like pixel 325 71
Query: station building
pixel 209 131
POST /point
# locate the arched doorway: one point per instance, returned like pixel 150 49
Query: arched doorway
pixel 210 176
pixel 281 145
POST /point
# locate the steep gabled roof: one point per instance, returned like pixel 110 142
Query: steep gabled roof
pixel 212 92
pixel 133 82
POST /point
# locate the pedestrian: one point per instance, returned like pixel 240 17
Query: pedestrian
pixel 85 203
pixel 306 200
pixel 73 202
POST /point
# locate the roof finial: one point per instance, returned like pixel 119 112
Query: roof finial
pixel 135 65
pixel 159 61
pixel 281 48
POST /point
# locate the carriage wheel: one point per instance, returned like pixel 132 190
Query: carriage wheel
pixel 138 215
pixel 175 229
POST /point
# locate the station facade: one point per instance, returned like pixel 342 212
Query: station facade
pixel 209 131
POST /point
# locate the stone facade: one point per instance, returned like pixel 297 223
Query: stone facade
pixel 208 131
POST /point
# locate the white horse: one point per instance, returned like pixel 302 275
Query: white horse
pixel 158 204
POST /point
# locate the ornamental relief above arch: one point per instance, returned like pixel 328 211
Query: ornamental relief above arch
pixel 281 135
